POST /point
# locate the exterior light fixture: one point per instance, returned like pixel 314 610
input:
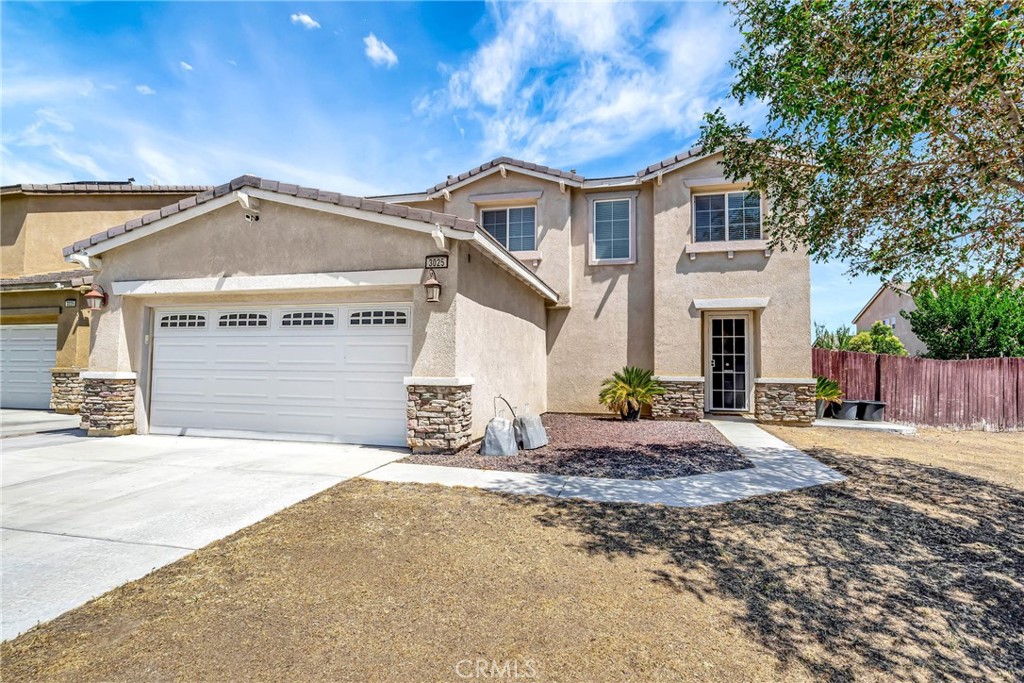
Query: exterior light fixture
pixel 433 288
pixel 96 299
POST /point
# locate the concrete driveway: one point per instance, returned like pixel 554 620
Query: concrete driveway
pixel 84 515
pixel 16 422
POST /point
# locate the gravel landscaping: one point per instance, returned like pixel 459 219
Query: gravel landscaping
pixel 602 446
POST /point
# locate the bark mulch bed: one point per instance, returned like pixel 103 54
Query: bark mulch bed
pixel 600 446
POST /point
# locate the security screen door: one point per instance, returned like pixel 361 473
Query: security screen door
pixel 728 363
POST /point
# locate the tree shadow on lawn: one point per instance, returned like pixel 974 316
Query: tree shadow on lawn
pixel 903 572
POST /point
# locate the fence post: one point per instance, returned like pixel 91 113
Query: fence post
pixel 878 377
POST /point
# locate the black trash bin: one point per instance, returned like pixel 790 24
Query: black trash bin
pixel 847 410
pixel 872 411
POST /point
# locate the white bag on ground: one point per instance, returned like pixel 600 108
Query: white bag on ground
pixel 499 438
pixel 530 432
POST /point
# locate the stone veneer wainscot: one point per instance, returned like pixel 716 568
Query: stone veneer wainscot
pixel 440 413
pixel 683 399
pixel 67 391
pixel 784 401
pixel 108 408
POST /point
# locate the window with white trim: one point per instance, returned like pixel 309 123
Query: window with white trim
pixel 378 317
pixel 727 216
pixel 515 228
pixel 612 229
pixel 307 319
pixel 179 320
pixel 243 320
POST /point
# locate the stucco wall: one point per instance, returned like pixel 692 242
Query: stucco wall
pixel 610 323
pixel 888 304
pixel 553 212
pixel 501 339
pixel 72 323
pixel 35 228
pixel 285 240
pixel 782 329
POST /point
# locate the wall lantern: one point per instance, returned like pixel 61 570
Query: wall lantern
pixel 433 288
pixel 96 299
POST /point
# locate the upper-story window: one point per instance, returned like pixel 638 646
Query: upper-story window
pixel 727 216
pixel 515 228
pixel 613 230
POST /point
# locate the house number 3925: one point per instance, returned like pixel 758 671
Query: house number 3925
pixel 437 262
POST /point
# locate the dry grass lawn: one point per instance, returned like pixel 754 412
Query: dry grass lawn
pixel 906 572
pixel 996 457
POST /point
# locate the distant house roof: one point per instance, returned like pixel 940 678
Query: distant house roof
pixel 372 205
pixel 68 278
pixel 874 297
pixel 100 187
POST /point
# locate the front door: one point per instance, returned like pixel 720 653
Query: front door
pixel 728 363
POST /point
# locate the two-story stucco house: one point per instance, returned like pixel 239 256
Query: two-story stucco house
pixel 886 306
pixel 259 308
pixel 44 336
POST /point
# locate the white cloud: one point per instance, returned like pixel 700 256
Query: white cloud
pixel 52 132
pixel 18 90
pixel 186 66
pixel 145 90
pixel 569 82
pixel 379 52
pixel 305 20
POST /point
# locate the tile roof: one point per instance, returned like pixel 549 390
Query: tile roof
pixel 665 163
pixel 65 277
pixel 100 188
pixel 507 161
pixel 371 205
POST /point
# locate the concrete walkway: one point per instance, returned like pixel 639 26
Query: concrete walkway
pixel 865 426
pixel 777 467
pixel 82 516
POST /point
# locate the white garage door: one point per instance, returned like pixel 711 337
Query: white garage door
pixel 27 354
pixel 316 373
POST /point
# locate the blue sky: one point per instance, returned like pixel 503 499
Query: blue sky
pixel 364 97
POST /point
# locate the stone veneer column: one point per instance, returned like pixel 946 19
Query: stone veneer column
pixel 683 399
pixel 108 407
pixel 784 401
pixel 66 391
pixel 440 413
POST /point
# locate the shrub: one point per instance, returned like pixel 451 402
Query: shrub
pixel 881 339
pixel 628 390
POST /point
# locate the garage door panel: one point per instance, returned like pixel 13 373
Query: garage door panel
pixel 382 353
pixel 331 382
pixel 27 355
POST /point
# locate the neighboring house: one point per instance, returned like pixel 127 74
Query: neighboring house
pixel 260 308
pixel 885 306
pixel 44 337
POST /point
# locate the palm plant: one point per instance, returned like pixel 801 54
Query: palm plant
pixel 827 391
pixel 628 390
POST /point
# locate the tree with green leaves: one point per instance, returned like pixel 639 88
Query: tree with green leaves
pixel 970 319
pixel 894 134
pixel 879 339
pixel 833 340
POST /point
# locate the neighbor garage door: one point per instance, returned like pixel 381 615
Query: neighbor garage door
pixel 316 373
pixel 27 354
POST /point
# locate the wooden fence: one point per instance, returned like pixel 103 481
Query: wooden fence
pixel 987 393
